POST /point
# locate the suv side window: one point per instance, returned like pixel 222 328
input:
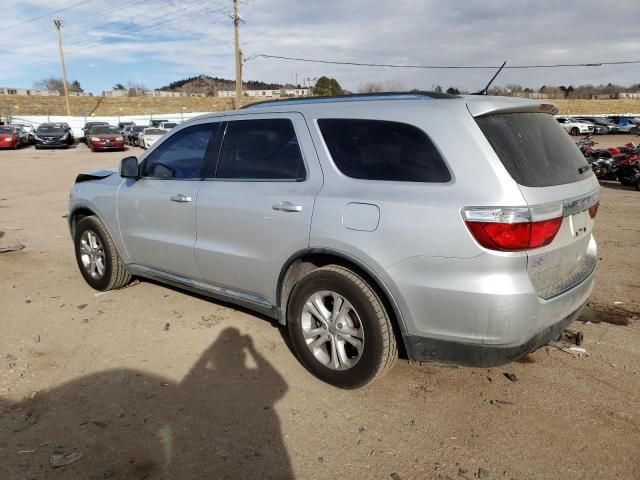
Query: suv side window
pixel 383 150
pixel 261 150
pixel 181 155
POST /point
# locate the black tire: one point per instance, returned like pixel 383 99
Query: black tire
pixel 575 131
pixel 634 131
pixel 115 273
pixel 379 350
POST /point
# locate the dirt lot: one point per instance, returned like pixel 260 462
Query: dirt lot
pixel 151 382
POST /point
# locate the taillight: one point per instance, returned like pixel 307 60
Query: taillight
pixel 593 209
pixel 514 228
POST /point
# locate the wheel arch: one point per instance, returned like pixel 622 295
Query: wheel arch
pixel 307 260
pixel 78 214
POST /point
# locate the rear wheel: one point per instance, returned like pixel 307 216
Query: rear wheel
pixel 339 328
pixel 97 257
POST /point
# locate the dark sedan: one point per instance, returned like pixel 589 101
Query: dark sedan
pixel 51 136
pixel 601 125
pixel 132 137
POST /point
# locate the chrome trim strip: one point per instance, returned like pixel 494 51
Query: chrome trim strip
pixel 198 286
pixel 579 204
pixel 583 270
pixel 532 213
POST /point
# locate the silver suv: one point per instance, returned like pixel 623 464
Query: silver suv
pixel 452 229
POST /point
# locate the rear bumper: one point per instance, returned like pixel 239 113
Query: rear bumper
pixel 471 355
pixel 52 145
pixel 112 146
pixel 484 310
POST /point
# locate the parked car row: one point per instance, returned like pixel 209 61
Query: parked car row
pixel 144 135
pixel 586 125
pixel 96 135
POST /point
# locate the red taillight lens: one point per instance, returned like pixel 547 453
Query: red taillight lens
pixel 543 232
pixel 593 210
pixel 515 236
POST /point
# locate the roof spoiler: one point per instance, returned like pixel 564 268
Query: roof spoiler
pixel 479 107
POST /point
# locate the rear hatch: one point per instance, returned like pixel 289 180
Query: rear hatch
pixel 555 181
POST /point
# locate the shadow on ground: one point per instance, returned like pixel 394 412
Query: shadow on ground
pixel 219 422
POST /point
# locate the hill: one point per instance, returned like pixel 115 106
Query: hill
pixel 210 85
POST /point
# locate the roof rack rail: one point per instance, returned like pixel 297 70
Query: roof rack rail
pixel 355 96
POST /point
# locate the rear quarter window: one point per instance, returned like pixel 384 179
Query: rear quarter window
pixel 534 148
pixel 383 150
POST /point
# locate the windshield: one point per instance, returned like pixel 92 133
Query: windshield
pixel 154 131
pixel 50 129
pixel 138 129
pixel 5 130
pixel 104 130
pixel 168 125
pixel 534 149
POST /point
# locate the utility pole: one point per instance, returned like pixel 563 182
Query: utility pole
pixel 236 22
pixel 58 24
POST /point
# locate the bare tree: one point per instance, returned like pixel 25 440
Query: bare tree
pixel 371 87
pixel 386 86
pixel 136 89
pixel 56 84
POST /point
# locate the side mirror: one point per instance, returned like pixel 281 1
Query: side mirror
pixel 129 168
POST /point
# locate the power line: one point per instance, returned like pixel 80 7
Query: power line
pixel 46 15
pixel 438 67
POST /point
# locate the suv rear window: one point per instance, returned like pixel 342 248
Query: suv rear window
pixel 534 148
pixel 383 150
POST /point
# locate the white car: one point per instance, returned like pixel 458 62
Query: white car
pixel 149 136
pixel 575 127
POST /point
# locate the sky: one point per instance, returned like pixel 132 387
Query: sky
pixel 154 42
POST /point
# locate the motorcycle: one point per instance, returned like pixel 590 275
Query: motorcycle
pixel 629 174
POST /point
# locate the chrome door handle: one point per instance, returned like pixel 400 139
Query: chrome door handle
pixel 180 198
pixel 287 207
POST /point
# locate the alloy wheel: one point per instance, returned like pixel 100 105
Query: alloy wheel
pixel 92 254
pixel 332 330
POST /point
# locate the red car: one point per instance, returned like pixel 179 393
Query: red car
pixel 105 137
pixel 9 138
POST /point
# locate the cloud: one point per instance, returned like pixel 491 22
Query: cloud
pixel 163 40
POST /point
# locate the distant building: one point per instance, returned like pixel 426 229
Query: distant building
pixel 283 92
pixel 28 91
pixel 617 95
pixel 628 95
pixel 150 93
pixel 538 96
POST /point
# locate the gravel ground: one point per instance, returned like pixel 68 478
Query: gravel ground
pixel 151 382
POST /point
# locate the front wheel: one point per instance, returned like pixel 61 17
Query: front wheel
pixel 634 131
pixel 339 328
pixel 575 131
pixel 97 257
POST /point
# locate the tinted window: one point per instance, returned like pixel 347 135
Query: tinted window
pixel 261 150
pixel 534 149
pixel 50 129
pixel 108 130
pixel 381 150
pixel 6 130
pixel 182 154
